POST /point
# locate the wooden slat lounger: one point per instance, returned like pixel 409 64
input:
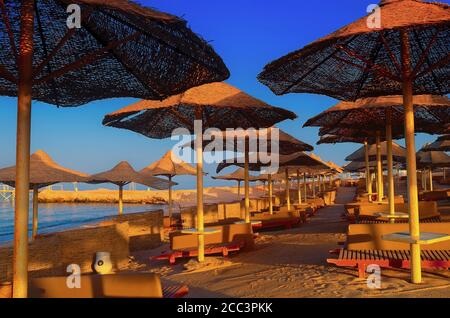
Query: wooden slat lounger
pixel 372 220
pixel 223 249
pixel 431 259
pixel 175 291
pixel 119 285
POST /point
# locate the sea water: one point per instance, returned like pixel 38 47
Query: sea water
pixel 54 217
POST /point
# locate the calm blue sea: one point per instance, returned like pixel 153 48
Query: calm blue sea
pixel 54 217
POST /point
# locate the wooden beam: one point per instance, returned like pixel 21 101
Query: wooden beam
pixel 9 30
pixel 87 59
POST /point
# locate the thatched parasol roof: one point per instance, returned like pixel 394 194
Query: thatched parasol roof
pixel 334 139
pixel 121 50
pixel 297 160
pixel 398 153
pixel 234 140
pixel 441 144
pixel 222 106
pixel 359 166
pixel 123 173
pixel 357 61
pixel 432 159
pixel 43 172
pixel 237 175
pixel 431 112
pixel 169 165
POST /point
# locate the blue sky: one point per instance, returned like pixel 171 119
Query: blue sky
pixel 247 34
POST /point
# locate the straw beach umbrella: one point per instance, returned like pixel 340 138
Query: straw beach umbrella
pixel 170 166
pixel 216 105
pixel 405 52
pixel 441 144
pixel 43 172
pixel 431 160
pixel 237 175
pixel 241 141
pixel 123 174
pixel 110 49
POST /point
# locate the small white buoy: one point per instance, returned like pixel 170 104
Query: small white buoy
pixel 103 263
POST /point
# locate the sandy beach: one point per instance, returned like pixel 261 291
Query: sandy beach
pixel 290 263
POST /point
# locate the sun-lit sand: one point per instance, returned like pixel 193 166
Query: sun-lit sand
pixel 290 263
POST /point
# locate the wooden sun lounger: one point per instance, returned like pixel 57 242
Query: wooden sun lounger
pixel 374 220
pixel 365 246
pixel 175 291
pixel 223 249
pixel 431 259
pixel 122 285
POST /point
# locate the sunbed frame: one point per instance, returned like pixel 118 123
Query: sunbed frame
pixel 175 291
pixel 212 249
pixel 431 259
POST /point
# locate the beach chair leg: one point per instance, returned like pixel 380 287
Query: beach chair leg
pixel 361 270
pixel 225 252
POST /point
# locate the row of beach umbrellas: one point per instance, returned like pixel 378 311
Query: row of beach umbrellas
pixel 408 55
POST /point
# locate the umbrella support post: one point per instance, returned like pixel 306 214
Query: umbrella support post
pixel 314 186
pixel 305 187
pixel 25 67
pixel 299 191
pixel 366 160
pixel 379 170
pixel 246 181
pixel 430 176
pixel 288 192
pixel 35 212
pixel 120 199
pixel 270 185
pixel 239 190
pixel 413 200
pixel 200 220
pixel 170 201
pixel 390 164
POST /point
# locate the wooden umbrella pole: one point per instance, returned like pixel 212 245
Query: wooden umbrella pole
pixel 270 185
pixel 379 170
pixel 239 189
pixel 35 211
pixel 314 186
pixel 299 191
pixel 170 200
pixel 390 162
pixel 413 200
pixel 120 198
pixel 288 192
pixel 25 67
pixel 366 160
pixel 200 220
pixel 430 175
pixel 246 181
pixel 305 188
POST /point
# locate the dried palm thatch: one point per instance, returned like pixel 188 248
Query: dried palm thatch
pixel 43 172
pixel 221 105
pixel 441 144
pixel 121 50
pixel 169 165
pixel 234 140
pixel 431 112
pixel 237 175
pixel 432 159
pixel 398 153
pixel 334 139
pixel 369 135
pixel 357 61
pixel 293 161
pixel 123 173
pixel 358 166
